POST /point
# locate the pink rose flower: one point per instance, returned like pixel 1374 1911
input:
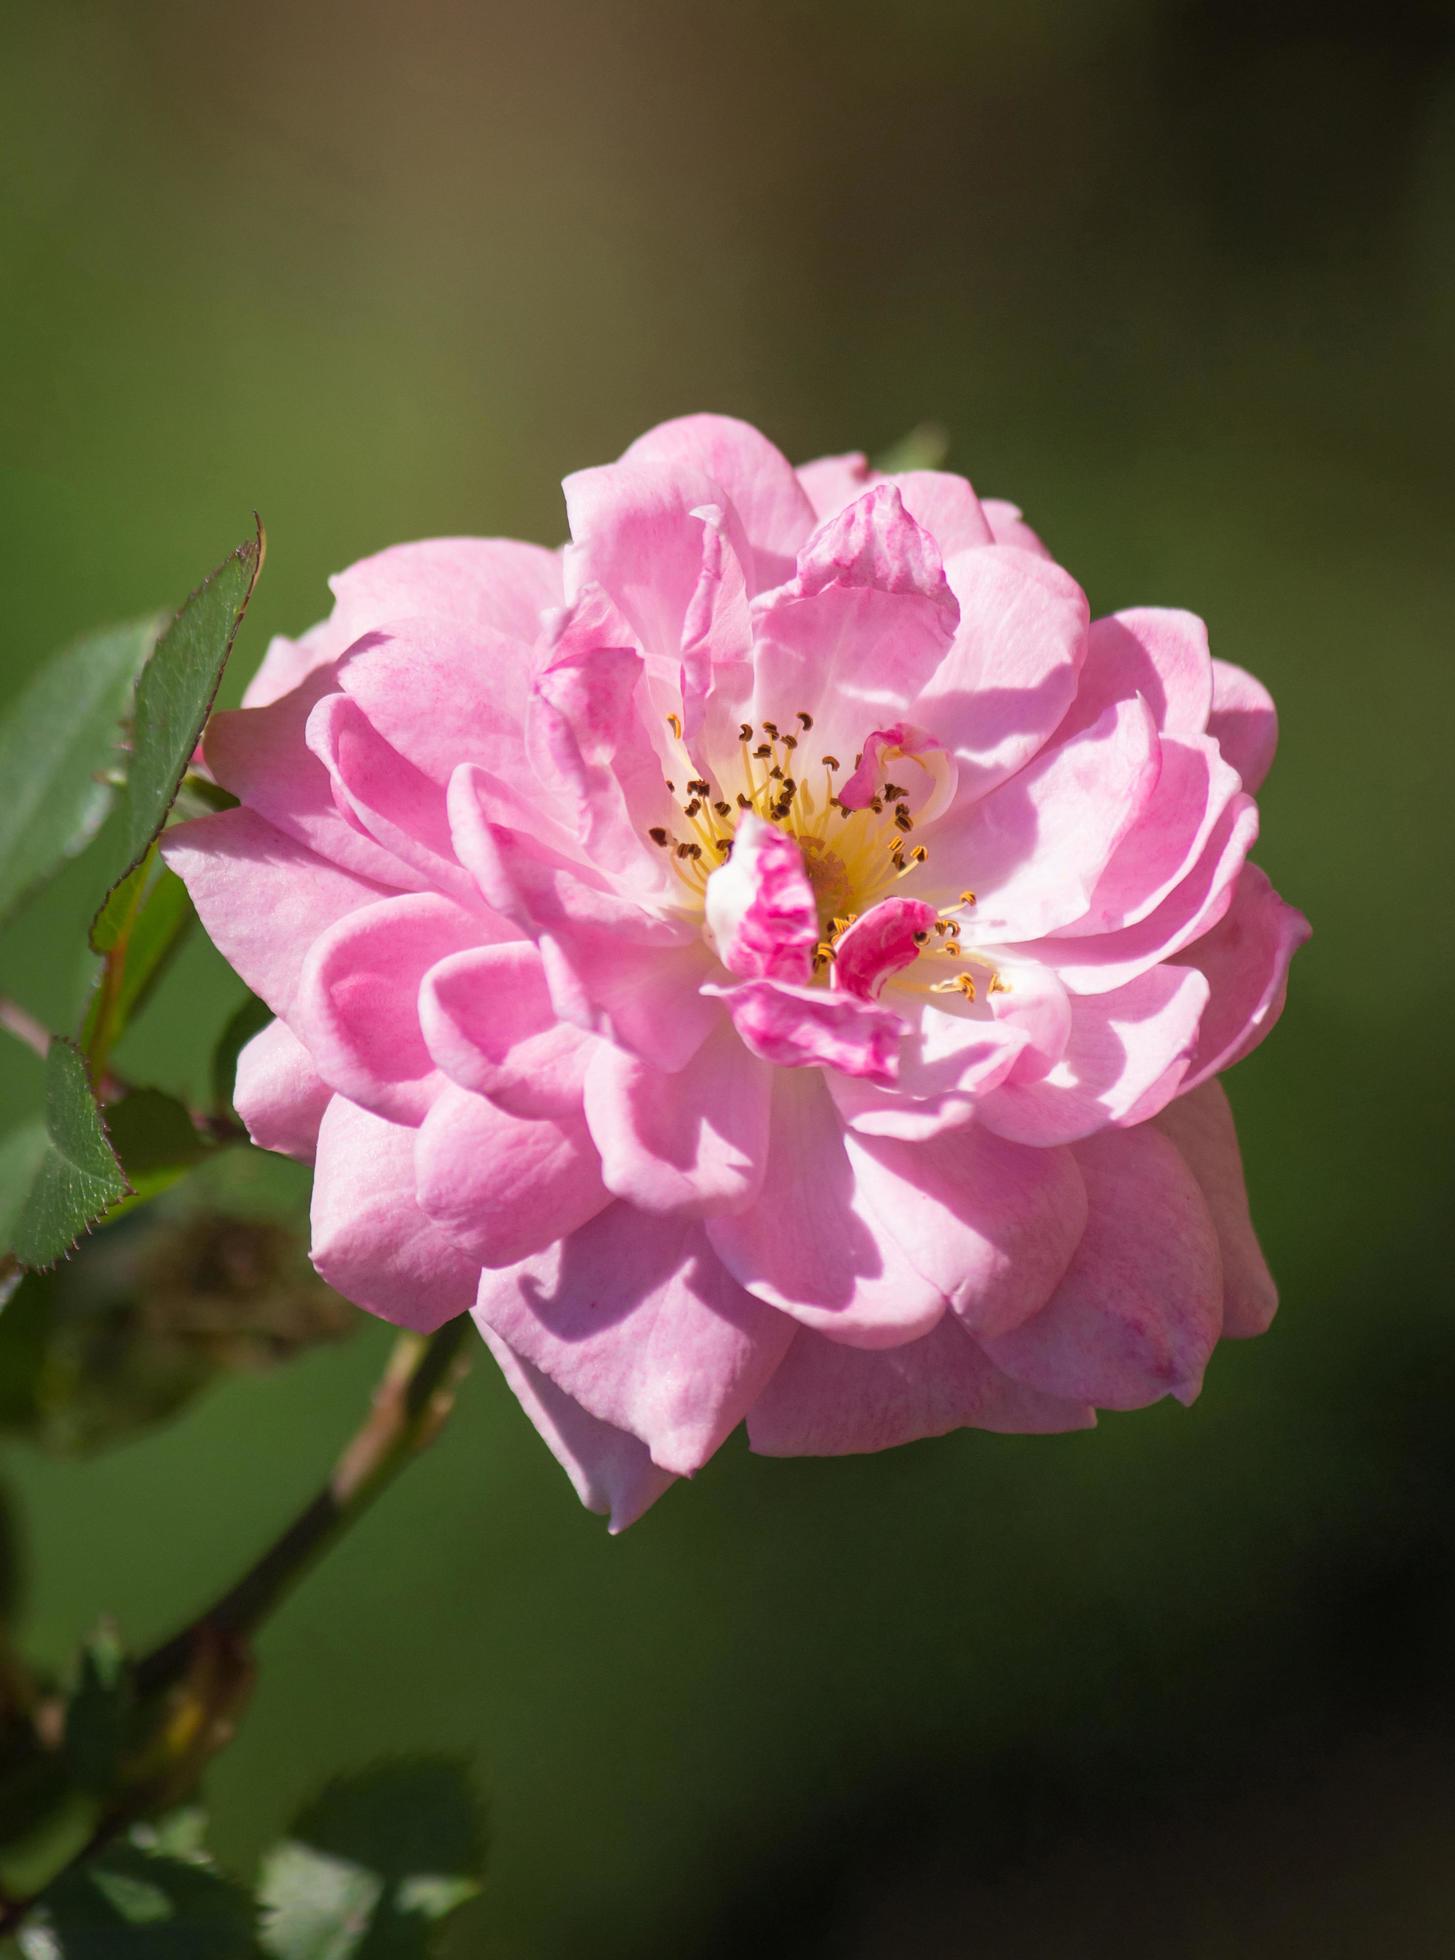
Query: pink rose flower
pixel 770 961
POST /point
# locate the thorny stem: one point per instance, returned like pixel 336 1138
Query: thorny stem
pixel 410 1405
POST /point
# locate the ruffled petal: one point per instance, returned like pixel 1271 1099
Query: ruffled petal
pixel 611 1472
pixel 1100 962
pixel 1140 1308
pixel 808 1246
pixel 371 1241
pixel 830 482
pixel 1011 673
pixel 637 1320
pixel 1154 651
pixel 692 1143
pixel 1125 1056
pixel 1246 958
pixel 1244 721
pixel 442 695
pixel 1034 849
pixel 862 626
pixel 488 1020
pixel 760 483
pixel 991 1224
pixel 279 1094
pixel 1201 1125
pixel 1008 526
pixel 482 585
pixel 357 1003
pixel 830 1400
pixel 807 1027
pixel 263 898
pixel 500 1186
pixel 881 943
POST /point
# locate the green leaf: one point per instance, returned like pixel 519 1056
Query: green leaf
pixel 155 1139
pixel 135 1902
pixel 99 1714
pixel 176 690
pixel 57 741
pixel 925 447
pixel 57 1177
pixel 139 927
pixel 375 1865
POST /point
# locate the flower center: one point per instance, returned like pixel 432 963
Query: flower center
pixel 852 856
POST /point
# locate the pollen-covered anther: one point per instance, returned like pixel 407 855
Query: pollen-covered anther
pixel 659 835
pixel 805 720
pixel 723 809
pixel 963 983
pixel 771 728
pixel 691 809
pixel 674 722
pixel 832 762
pixel 699 787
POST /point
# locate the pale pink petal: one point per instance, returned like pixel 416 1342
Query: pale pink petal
pixel 717 646
pixel 928 775
pixel 992 1225
pixel 586 734
pixel 501 1186
pixel 636 533
pixel 694 1142
pixel 482 585
pixel 489 1022
pixel 1194 790
pixel 862 626
pixel 807 1027
pixel 1244 721
pixel 1153 651
pixel 1010 675
pixel 760 483
pixel 1245 958
pixel 637 1320
pixel 357 1003
pixel 611 967
pixel 442 694
pixel 830 482
pixel 370 1239
pixel 263 898
pixel 1126 1055
pixel 1201 1125
pixel 262 756
pixel 1140 1309
pixel 807 1245
pixel 761 910
pixel 1033 849
pixel 611 1472
pixel 830 1400
pixel 1101 961
pixel 1008 526
pixel 386 798
pixel 287 663
pixel 279 1094
pixel 946 506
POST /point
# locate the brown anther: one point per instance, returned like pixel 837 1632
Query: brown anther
pixel 967 898
pixel 918 855
pixel 904 823
pixel 763 749
pixel 723 809
pixel 694 850
pixel 674 722
pixel 790 787
pixel 771 728
pixel 807 720
pixel 745 731
pixel 876 804
pixel 941 927
pixel 858 758
pixel 671 786
pixel 744 802
pixel 952 926
pixel 824 951
pixel 790 741
pixel 950 950
pixel 776 773
pixel 699 787
pixel 691 809
pixel 684 850
pixel 999 986
pixel 921 938
pixel 893 792
pixel 658 835
pixel 723 844
pixel 838 925
pixel 832 762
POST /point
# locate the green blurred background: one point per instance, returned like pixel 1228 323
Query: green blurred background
pixel 1180 278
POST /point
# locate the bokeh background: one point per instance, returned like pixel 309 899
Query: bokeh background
pixel 1180 278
